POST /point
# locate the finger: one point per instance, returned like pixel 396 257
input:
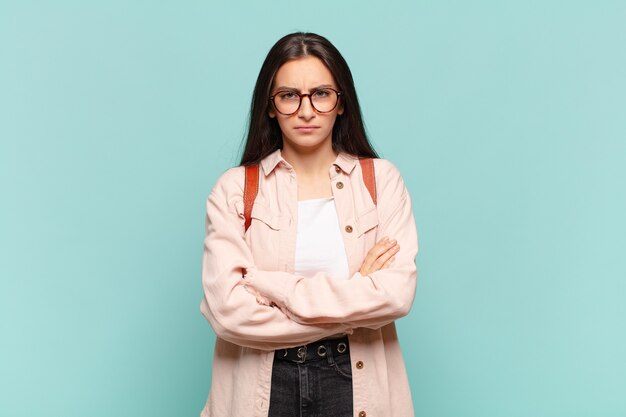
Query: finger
pixel 389 261
pixel 385 257
pixel 381 248
pixel 376 250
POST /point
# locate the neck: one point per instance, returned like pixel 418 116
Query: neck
pixel 312 162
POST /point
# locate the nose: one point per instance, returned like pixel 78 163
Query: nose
pixel 306 108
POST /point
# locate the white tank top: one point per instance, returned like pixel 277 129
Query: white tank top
pixel 319 244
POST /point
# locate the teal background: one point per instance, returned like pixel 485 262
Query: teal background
pixel 507 120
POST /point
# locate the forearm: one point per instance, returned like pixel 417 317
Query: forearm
pixel 383 295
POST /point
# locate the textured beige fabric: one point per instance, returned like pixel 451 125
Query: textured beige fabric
pixel 270 307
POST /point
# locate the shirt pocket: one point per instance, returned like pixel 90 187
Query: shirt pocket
pixel 367 227
pixel 366 221
pixel 262 235
pixel 263 214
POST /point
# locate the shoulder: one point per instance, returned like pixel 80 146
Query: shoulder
pixel 385 167
pixel 227 191
pixel 388 176
pixel 230 182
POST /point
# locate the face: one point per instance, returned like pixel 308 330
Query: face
pixel 303 75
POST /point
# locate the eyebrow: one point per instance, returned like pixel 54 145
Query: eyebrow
pixel 284 87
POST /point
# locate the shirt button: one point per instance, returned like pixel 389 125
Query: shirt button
pixel 340 185
pixel 337 169
pixel 349 229
pixel 362 414
pixel 359 365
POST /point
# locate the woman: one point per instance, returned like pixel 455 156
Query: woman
pixel 303 291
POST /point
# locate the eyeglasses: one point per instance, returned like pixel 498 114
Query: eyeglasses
pixel 323 100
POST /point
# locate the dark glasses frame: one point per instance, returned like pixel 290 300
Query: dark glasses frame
pixel 302 95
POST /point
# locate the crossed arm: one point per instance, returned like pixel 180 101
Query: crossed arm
pixel 274 309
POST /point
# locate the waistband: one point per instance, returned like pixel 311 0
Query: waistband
pixel 314 351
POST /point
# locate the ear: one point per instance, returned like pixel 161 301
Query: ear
pixel 340 111
pixel 271 114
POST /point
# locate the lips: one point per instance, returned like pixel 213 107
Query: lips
pixel 306 129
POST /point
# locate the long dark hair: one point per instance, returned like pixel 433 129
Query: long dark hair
pixel 264 135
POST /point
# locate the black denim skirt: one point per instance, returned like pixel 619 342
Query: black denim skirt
pixel 313 380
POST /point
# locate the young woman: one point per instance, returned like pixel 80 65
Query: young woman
pixel 303 290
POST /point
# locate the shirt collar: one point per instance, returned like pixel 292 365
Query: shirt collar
pixel 344 160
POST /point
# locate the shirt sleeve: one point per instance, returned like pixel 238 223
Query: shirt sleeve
pixel 362 301
pixel 237 314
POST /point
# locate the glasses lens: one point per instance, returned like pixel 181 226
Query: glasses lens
pixel 286 102
pixel 324 100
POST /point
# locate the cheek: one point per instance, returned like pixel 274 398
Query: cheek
pixel 331 122
pixel 281 123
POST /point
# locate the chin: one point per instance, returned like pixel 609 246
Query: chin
pixel 305 142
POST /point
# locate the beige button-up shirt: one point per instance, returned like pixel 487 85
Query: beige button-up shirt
pixel 273 308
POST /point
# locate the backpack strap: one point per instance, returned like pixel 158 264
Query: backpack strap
pixel 251 186
pixel 367 166
pixel 250 190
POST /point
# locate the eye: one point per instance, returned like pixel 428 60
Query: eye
pixel 287 95
pixel 322 93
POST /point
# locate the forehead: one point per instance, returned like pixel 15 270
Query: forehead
pixel 303 73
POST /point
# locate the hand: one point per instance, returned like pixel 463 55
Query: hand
pixel 260 298
pixel 380 256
